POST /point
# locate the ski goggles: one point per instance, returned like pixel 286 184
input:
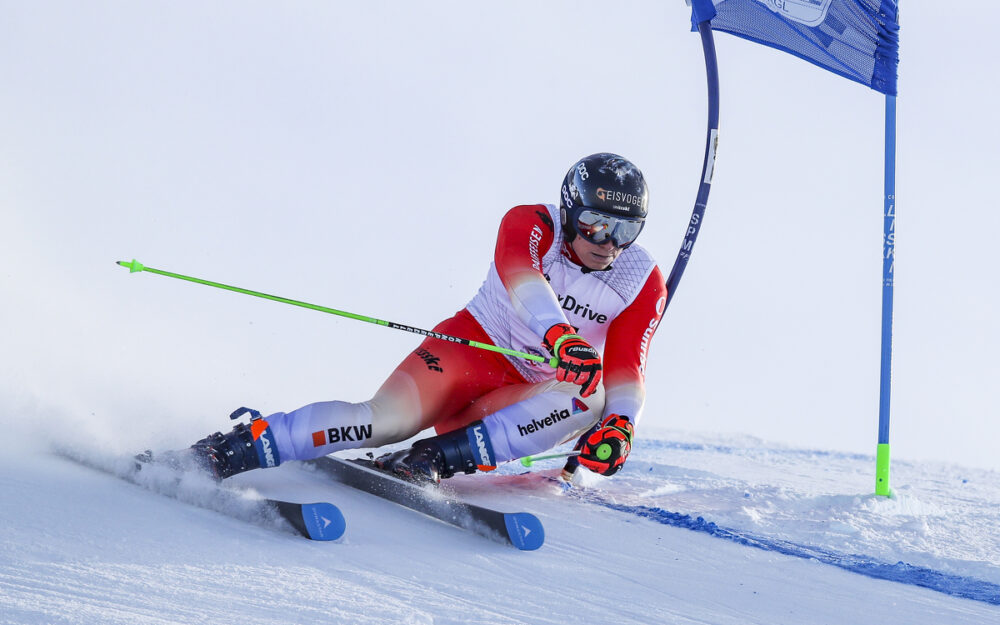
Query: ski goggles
pixel 598 227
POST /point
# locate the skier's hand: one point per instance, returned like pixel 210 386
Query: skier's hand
pixel 605 450
pixel 576 360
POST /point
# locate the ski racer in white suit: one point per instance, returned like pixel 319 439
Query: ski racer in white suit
pixel 566 282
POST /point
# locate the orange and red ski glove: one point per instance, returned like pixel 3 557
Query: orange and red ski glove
pixel 605 450
pixel 576 360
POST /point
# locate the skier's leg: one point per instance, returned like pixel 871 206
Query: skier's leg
pixel 550 414
pixel 438 378
pixel 514 421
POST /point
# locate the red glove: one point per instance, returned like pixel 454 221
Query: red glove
pixel 576 360
pixel 605 450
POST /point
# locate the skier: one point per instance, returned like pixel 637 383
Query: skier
pixel 569 282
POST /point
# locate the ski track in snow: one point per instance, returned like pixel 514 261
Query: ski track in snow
pixel 942 541
pixel 956 585
pixel 83 547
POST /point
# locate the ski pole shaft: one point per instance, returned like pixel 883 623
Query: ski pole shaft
pixel 135 266
pixel 530 460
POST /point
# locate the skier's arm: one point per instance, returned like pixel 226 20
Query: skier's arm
pixel 627 349
pixel 526 235
pixel 605 450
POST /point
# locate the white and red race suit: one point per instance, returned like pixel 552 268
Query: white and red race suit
pixel 535 281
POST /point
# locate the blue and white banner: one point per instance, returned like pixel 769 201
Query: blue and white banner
pixel 857 39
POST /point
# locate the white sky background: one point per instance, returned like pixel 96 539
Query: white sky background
pixel 360 156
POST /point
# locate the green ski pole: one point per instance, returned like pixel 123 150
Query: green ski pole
pixel 135 267
pixel 530 460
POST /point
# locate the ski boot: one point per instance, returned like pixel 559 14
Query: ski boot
pixel 430 460
pixel 246 447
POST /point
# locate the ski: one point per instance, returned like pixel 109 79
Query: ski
pixel 520 529
pixel 315 521
pixel 320 521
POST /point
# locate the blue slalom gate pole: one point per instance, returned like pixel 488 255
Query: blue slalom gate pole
pixel 888 267
pixel 708 165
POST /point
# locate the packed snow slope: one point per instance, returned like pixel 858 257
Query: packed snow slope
pixel 780 535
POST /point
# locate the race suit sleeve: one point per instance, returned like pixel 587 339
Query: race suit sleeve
pixel 627 349
pixel 526 235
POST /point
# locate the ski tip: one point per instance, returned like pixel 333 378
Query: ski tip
pixel 525 530
pixel 323 521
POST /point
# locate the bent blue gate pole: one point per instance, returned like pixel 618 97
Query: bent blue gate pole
pixel 888 268
pixel 708 165
pixel 707 170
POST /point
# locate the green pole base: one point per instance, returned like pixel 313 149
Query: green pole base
pixel 882 470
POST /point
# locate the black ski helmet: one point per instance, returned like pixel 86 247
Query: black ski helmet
pixel 606 183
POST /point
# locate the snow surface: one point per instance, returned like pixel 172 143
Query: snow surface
pixel 229 140
pixel 82 546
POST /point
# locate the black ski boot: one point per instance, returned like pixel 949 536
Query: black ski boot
pixel 433 459
pixel 246 447
pixel 225 455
